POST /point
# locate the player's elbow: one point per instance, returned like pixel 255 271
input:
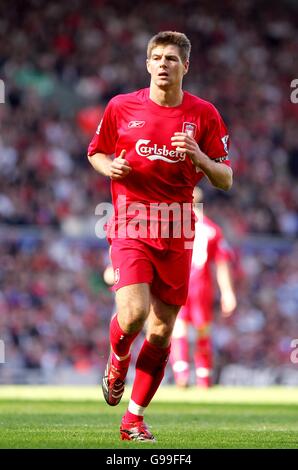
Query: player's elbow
pixel 226 186
pixel 91 160
pixel 227 182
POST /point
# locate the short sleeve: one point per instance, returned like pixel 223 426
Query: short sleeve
pixel 105 137
pixel 215 138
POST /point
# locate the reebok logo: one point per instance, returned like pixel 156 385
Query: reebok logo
pixel 133 124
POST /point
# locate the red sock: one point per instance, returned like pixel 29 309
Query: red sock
pixel 203 354
pixel 203 362
pixel 150 367
pixel 179 360
pixel 120 341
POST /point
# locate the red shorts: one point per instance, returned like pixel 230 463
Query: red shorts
pixel 165 266
pixel 198 307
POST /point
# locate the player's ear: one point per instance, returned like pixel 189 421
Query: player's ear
pixel 186 67
pixel 148 65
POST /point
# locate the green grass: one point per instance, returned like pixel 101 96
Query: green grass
pixel 220 418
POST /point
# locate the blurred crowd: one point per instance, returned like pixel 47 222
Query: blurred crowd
pixel 61 63
pixel 54 304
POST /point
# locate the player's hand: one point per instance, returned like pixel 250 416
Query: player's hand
pixel 185 143
pixel 108 275
pixel 119 167
pixel 228 304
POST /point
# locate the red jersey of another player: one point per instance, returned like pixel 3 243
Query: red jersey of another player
pixel 160 173
pixel 209 247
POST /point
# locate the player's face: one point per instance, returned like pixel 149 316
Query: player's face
pixel 166 67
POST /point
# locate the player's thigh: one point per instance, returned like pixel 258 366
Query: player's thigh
pixel 133 306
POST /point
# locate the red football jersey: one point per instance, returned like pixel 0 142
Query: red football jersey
pixel 144 129
pixel 209 247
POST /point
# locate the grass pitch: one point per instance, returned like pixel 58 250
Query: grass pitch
pixel 220 418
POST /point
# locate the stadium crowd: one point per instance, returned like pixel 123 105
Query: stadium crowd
pixel 60 63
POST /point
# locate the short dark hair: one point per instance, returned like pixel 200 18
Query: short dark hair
pixel 171 37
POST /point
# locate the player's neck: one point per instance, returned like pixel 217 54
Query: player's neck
pixel 171 97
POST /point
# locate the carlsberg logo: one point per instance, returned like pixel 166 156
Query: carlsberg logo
pixel 158 153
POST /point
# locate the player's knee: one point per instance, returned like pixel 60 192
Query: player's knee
pixel 160 334
pixel 132 316
pixel 204 330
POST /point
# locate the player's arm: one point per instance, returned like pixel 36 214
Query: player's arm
pixel 116 168
pixel 103 144
pixel 219 174
pixel 224 279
